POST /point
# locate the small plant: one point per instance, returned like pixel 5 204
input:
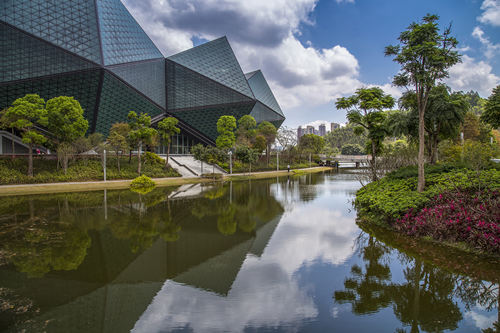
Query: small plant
pixel 142 182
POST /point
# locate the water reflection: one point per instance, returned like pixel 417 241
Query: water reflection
pixel 244 256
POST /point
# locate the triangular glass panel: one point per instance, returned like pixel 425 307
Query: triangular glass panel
pixel 26 57
pixel 148 77
pixel 188 89
pixel 217 61
pixel 123 40
pixel 34 17
pixel 262 92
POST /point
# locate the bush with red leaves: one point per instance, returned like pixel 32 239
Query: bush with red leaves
pixel 469 216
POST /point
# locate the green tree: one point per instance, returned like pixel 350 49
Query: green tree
pixel 140 132
pixel 425 55
pixel 246 130
pixel 247 155
pixel 167 128
pixel 25 115
pixel 345 135
pixel 66 123
pixel 259 143
pixel 491 114
pixel 225 127
pixel 364 109
pixel 443 116
pixel 268 131
pixel 200 153
pixel 117 139
pixel 311 143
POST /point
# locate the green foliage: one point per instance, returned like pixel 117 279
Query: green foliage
pixel 200 152
pixel 246 154
pixel 394 195
pixel 344 135
pixel 491 114
pixel 25 114
pixel 352 149
pixel 259 143
pixel 140 132
pixel 312 143
pixel 152 158
pixel 246 130
pixel 364 109
pixel 168 128
pixel 225 127
pixel 65 119
pixel 268 131
pixel 142 182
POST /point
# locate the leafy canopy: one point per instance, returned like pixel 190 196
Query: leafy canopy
pixel 25 114
pixel 491 114
pixel 140 127
pixel 65 117
pixel 167 128
pixel 225 127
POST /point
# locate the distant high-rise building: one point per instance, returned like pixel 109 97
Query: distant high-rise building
pixel 310 129
pixel 334 126
pixel 300 132
pixel 322 130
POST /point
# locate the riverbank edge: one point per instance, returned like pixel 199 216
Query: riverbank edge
pixel 28 189
pixel 417 246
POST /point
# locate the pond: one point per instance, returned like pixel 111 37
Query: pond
pixel 281 254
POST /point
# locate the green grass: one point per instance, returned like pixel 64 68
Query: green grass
pixel 82 169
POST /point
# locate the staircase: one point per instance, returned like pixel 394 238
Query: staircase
pixel 187 166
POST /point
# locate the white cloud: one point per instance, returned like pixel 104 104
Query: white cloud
pixel 316 124
pixel 481 321
pixel 491 48
pixel 346 1
pixel 491 14
pixel 473 75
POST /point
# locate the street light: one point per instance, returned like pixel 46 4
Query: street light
pixel 230 162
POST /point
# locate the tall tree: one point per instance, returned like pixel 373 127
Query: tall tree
pixel 287 139
pixel 66 123
pixel 443 116
pixel 167 128
pixel 140 132
pixel 225 127
pixel 364 109
pixel 491 114
pixel 268 131
pixel 425 55
pixel 25 114
pixel 117 139
pixel 246 130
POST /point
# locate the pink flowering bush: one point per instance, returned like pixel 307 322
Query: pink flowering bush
pixel 468 216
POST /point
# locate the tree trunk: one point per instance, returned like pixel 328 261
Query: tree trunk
pixel 168 153
pixel 30 160
pixel 433 153
pixel 118 161
pixel 139 158
pixel 130 155
pixel 13 145
pixel 65 162
pixel 421 148
pixel 267 155
pixel 416 296
pixel 374 167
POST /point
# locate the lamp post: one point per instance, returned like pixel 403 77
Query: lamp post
pixel 277 160
pixel 230 162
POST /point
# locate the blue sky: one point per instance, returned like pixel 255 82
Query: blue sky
pixel 313 52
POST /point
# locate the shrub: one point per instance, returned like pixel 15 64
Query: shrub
pixel 142 182
pixel 152 158
pixel 352 149
pixel 466 216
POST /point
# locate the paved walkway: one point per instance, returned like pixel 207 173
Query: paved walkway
pixel 124 183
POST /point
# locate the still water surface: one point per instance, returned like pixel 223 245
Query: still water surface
pixel 271 255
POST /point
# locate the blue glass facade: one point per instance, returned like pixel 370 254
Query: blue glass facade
pixel 96 52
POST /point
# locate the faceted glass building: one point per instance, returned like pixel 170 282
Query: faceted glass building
pixel 96 52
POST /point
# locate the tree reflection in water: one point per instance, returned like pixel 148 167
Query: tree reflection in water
pixel 424 301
